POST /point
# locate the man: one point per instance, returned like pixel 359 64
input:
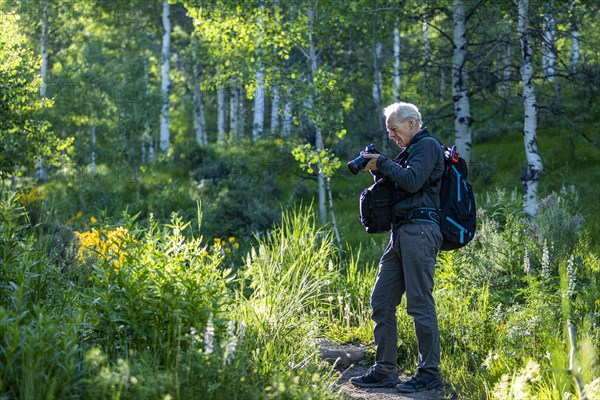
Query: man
pixel 408 262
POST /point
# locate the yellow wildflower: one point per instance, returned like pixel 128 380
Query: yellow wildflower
pixel 93 220
pixel 79 215
pixel 231 239
pixel 110 248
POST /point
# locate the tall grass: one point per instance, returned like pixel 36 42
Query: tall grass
pixel 503 305
pixel 38 327
pixel 149 310
pixel 286 279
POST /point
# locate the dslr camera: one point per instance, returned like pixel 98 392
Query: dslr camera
pixel 359 163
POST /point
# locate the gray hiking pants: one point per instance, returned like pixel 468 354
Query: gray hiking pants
pixel 407 266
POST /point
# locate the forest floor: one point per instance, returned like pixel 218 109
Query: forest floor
pixel 352 392
pixel 347 359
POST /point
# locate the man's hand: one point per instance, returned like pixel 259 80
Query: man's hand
pixel 372 164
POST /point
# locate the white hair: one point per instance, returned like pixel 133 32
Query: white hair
pixel 403 111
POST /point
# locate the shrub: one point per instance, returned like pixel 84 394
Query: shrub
pixel 150 285
pixel 38 332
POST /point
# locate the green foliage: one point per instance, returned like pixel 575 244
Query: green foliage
pixel 320 161
pixel 34 298
pixel 287 278
pixel 149 285
pixel 24 130
pixel 150 312
pixel 39 354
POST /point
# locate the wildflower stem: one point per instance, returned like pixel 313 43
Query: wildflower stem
pixel 572 363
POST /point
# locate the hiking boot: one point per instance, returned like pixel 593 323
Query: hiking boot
pixel 421 382
pixel 375 379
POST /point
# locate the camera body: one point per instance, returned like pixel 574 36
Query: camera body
pixel 360 162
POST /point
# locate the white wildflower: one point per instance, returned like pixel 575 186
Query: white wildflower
pixel 571 275
pixel 231 342
pixel 545 261
pixel 194 335
pixel 526 263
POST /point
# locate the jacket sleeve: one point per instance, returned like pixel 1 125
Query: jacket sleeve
pixel 419 166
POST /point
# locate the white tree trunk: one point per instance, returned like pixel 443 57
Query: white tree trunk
pixel 396 63
pixel 534 169
pixel 332 213
pixel 41 171
pixel 93 152
pixel 275 111
pixel 574 39
pixel 199 119
pixel 377 89
pixel 286 129
pixel 220 114
pixel 241 111
pixel 462 106
pixel 146 133
pixel 44 51
pixel 426 50
pixel 318 134
pixel 166 80
pixel 549 56
pixel 259 92
pixel 259 105
pixel 234 106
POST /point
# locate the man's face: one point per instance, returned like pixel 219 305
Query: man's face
pixel 400 132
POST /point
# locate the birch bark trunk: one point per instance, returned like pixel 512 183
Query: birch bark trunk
pixel 166 80
pixel 234 107
pixel 259 92
pixel 275 111
pixel 41 172
pixel 462 106
pixel 259 105
pixel 147 142
pixel 549 56
pixel 93 150
pixel 534 168
pixel 199 118
pixel 220 114
pixel 318 134
pixel 44 51
pixel 426 50
pixel 286 129
pixel 377 79
pixel 396 63
pixel 574 38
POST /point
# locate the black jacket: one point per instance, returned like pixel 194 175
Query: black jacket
pixel 417 172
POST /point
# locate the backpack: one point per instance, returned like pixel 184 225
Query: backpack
pixel 376 204
pixel 458 213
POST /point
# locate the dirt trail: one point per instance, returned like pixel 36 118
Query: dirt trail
pixel 352 392
pixel 347 360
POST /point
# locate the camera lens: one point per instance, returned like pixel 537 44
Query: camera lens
pixel 358 164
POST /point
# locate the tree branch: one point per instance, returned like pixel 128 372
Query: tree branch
pixel 575 127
